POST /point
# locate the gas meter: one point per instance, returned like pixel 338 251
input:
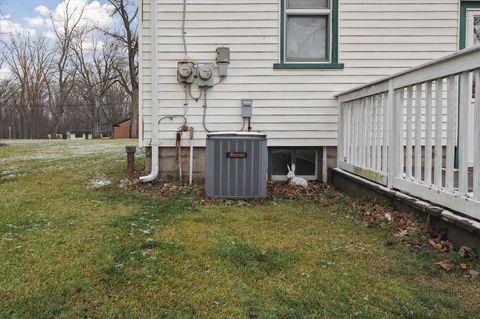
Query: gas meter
pixel 205 76
pixel 185 72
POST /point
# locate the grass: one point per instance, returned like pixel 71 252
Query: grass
pixel 71 250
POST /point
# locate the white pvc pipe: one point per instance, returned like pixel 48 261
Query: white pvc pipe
pixel 154 42
pixel 154 172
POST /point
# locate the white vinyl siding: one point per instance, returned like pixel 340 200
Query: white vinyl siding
pixel 293 107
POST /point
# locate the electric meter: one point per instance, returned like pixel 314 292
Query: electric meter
pixel 205 73
pixel 205 76
pixel 185 72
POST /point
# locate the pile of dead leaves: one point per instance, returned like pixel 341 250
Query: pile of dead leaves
pixel 316 191
pixel 448 265
pixel 403 223
pixel 439 242
pixel 442 245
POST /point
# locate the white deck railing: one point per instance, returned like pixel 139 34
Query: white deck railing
pixel 404 131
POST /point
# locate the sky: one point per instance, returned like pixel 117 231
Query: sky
pixel 19 9
pixel 33 16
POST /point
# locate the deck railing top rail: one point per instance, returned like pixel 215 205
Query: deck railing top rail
pixel 462 61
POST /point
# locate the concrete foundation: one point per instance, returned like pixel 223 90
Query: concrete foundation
pixel 168 159
pixel 169 168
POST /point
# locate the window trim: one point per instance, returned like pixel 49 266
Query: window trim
pixel 332 36
pixel 464 6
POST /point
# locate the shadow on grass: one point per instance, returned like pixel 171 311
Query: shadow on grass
pixel 138 262
pixel 47 303
pixel 136 256
pixel 150 211
pixel 251 260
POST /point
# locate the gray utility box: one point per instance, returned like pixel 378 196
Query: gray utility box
pixel 236 165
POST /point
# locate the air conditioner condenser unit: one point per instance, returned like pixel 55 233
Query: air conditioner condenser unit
pixel 236 165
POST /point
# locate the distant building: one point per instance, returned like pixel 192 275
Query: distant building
pixel 57 136
pixel 106 134
pixel 79 135
pixel 121 129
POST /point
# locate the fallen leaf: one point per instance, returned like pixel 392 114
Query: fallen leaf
pixel 463 266
pixel 447 245
pixel 446 265
pixel 435 245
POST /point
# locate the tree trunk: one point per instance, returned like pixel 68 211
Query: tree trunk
pixel 134 120
pixel 96 119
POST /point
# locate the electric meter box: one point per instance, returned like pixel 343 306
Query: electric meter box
pixel 247 108
pixel 205 74
pixel 236 165
pixel 185 72
pixel 223 55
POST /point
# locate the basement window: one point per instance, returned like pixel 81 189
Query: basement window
pixel 306 159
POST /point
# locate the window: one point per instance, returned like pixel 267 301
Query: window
pixel 306 161
pixel 308 35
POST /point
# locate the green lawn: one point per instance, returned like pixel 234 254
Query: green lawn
pixel 72 248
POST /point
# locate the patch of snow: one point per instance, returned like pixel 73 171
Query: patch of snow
pixel 97 183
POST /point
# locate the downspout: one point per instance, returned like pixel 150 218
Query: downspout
pixel 154 88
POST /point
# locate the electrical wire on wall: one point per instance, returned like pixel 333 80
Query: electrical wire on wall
pixel 205 111
pixel 188 86
pixel 190 93
pixel 205 114
pixel 184 16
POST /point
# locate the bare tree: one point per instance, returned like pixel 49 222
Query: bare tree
pixel 96 68
pixel 60 89
pixel 127 37
pixel 84 79
pixel 29 60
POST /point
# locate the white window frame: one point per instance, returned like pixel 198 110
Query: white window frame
pixel 309 12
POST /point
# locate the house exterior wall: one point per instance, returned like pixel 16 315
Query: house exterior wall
pixel 293 107
pixel 122 130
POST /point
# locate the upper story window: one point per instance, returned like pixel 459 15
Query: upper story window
pixel 309 34
pixel 307 31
